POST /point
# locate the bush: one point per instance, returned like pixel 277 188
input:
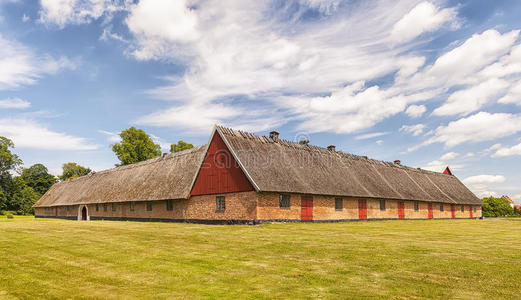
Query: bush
pixel 496 207
pixel 10 216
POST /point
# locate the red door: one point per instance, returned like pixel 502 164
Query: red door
pixel 471 213
pixel 401 210
pixel 453 211
pixel 306 208
pixel 430 210
pixel 362 209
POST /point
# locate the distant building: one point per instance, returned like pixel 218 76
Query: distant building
pixel 240 177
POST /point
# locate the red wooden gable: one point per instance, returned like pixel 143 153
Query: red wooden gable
pixel 220 173
pixel 447 171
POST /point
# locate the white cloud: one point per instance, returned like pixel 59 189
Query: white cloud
pixel 480 184
pixel 468 100
pixel 424 17
pixel 507 151
pixel 111 136
pixel 513 95
pixel 15 103
pixel 371 135
pixel 19 65
pixel 63 12
pixel 479 127
pixel 379 142
pixel 25 18
pixel 416 111
pixel 27 133
pixel 414 129
pixel 449 156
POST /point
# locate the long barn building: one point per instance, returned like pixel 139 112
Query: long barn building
pixel 241 177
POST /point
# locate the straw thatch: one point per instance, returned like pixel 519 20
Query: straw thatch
pixel 282 166
pixel 167 177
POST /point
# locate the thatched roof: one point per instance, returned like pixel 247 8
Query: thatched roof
pixel 271 165
pixel 283 166
pixel 168 177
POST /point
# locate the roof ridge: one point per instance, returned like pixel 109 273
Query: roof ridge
pixel 138 164
pixel 323 150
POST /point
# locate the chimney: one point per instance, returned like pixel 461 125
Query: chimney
pixel 398 162
pixel 331 148
pixel 303 142
pixel 274 135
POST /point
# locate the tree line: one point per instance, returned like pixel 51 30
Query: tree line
pixel 21 187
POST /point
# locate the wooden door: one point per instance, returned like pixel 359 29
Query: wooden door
pixel 401 210
pixel 453 211
pixel 306 208
pixel 430 210
pixel 84 213
pixel 471 212
pixel 362 209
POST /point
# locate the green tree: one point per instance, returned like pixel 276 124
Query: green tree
pixel 8 162
pixel 496 207
pixel 73 170
pixel 23 197
pixel 180 146
pixel 135 146
pixel 38 178
pixel 3 201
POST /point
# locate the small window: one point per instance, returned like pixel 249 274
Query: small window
pixel 97 207
pixel 339 204
pixel 441 207
pixel 284 201
pixel 474 209
pixel 132 204
pixel 113 206
pixel 169 204
pixel 463 208
pixel 220 203
pixel 104 206
pixel 382 204
pixel 149 206
pixel 416 205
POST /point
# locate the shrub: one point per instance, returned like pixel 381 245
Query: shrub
pixel 10 216
pixel 496 207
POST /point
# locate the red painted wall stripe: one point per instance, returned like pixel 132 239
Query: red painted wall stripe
pixel 220 173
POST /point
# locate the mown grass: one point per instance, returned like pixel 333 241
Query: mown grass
pixel 44 258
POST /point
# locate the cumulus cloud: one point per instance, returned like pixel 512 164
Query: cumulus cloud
pixel 111 136
pixel 424 17
pixel 449 156
pixel 371 135
pixel 513 96
pixel 479 127
pixel 415 111
pixel 14 103
pixel 27 133
pixel 415 130
pixel 507 151
pixel 481 184
pixel 62 12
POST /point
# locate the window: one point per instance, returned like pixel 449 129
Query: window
pixel 113 206
pixel 416 205
pixel 382 204
pixel 462 208
pixel 474 209
pixel 220 203
pixel 104 206
pixel 284 201
pixel 97 207
pixel 339 203
pixel 132 204
pixel 169 204
pixel 441 207
pixel 149 206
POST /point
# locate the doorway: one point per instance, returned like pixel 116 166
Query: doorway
pixel 306 208
pixel 401 210
pixel 83 213
pixel 430 211
pixel 362 209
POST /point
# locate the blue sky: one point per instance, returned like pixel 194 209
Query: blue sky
pixel 430 83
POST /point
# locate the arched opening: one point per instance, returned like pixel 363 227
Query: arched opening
pixel 83 213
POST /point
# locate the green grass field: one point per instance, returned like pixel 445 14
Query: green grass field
pixel 44 258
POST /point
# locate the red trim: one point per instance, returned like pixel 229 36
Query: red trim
pixel 447 171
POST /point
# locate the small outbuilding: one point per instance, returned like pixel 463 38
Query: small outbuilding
pixel 241 177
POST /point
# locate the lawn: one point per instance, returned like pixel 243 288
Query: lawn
pixel 44 258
